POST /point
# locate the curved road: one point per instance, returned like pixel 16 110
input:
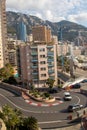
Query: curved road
pixel 48 117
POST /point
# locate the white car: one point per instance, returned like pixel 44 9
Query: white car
pixel 67 96
pixel 74 107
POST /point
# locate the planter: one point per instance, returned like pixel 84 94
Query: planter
pixel 47 100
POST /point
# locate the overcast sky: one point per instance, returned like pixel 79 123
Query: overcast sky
pixel 52 10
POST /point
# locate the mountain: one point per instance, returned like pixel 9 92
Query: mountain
pixel 70 30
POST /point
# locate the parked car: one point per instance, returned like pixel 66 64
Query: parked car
pixel 53 90
pixel 84 81
pixel 77 85
pixel 74 107
pixel 67 96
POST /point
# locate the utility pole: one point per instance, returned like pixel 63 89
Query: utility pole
pixel 61 39
pixel 71 61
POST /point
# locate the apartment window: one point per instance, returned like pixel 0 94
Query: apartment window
pixel 42 69
pixel 43 62
pixel 42 49
pixel 42 56
pixel 43 75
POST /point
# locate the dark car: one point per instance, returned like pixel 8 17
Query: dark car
pixel 84 81
pixel 74 107
pixel 53 90
pixel 76 86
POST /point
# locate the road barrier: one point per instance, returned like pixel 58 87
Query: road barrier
pixel 12 88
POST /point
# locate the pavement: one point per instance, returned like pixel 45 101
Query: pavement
pixel 2 125
pixel 74 127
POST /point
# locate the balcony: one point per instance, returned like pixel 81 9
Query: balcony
pixel 34 67
pixel 34 60
pixel 50 65
pixel 33 47
pixel 50 60
pixel 49 46
pixel 35 79
pixel 35 73
pixel 34 53
pixel 50 53
pixel 50 71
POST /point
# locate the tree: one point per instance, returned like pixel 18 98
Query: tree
pixel 11 117
pixel 50 83
pixel 30 123
pixel 11 80
pixel 6 72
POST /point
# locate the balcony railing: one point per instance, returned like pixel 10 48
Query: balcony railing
pixel 34 60
pixel 50 71
pixel 34 53
pixel 34 67
pixel 50 65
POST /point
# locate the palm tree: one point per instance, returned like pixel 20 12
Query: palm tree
pixel 11 117
pixel 50 83
pixel 30 123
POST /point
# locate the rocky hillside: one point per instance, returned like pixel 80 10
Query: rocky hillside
pixel 70 30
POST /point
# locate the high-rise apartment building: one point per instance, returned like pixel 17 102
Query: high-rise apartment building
pixel 41 34
pixel 3 34
pixel 38 63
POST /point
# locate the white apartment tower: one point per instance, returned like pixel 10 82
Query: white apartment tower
pixel 3 34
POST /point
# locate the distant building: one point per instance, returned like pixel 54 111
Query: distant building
pixel 3 35
pixel 62 49
pixel 21 31
pixel 12 49
pixel 42 34
pixel 30 38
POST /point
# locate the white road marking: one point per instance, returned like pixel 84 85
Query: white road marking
pixel 18 106
pixel 78 100
pixel 48 122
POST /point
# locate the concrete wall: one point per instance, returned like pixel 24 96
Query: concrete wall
pixel 12 88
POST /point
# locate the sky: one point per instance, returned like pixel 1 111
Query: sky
pixel 52 10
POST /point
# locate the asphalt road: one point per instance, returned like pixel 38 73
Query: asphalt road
pixel 47 116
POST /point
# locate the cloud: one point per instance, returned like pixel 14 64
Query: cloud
pixel 39 15
pixel 53 10
pixel 79 18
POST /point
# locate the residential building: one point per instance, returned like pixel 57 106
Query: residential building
pixel 41 34
pixel 62 49
pixel 3 34
pixel 37 63
pixel 30 38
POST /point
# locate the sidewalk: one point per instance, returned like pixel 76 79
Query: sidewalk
pixel 74 127
pixel 2 127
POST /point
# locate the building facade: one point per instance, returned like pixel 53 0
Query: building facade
pixel 21 31
pixel 38 63
pixel 3 34
pixel 42 34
